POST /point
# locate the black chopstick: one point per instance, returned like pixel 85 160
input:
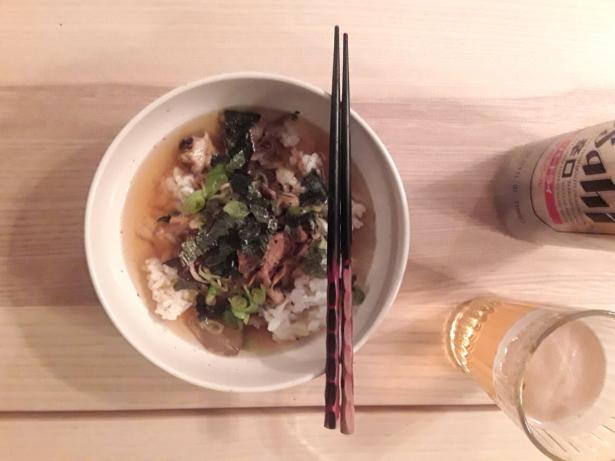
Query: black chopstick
pixel 347 379
pixel 339 254
pixel 332 389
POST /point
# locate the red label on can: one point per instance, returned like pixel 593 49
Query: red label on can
pixel 549 180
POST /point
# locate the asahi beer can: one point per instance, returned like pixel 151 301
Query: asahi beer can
pixel 561 190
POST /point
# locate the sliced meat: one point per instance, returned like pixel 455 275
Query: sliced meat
pixel 300 235
pixel 174 230
pixel 297 272
pixel 247 263
pixel 200 153
pixel 275 295
pixel 302 250
pixel 277 138
pixel 287 199
pixel 281 273
pixel 269 193
pixel 278 247
pixel 257 131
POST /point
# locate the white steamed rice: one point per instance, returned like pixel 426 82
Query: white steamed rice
pixel 170 303
pixel 303 312
pixel 311 162
pixel 288 180
pixel 358 210
pixel 180 184
pixel 288 136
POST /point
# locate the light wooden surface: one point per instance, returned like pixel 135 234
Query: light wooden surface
pixel 449 86
pixel 382 434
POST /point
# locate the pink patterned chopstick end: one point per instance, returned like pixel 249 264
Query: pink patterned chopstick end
pixel 332 400
pixel 347 408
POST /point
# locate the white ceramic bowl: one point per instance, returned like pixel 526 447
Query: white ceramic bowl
pixel 108 268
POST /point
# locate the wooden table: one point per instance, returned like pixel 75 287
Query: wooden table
pixel 449 86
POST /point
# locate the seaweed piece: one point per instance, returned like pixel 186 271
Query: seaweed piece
pixel 315 192
pixel 255 246
pixel 207 238
pixel 183 272
pixel 219 159
pixel 237 136
pixel 226 268
pixel 249 229
pixel 219 245
pixel 205 311
pixel 175 263
pixel 190 251
pixel 182 284
pixel 240 183
pixel 307 220
pixel 212 208
pixel 252 237
pixel 218 254
pixel 236 162
pixel 260 211
pixel 315 260
pixel 201 307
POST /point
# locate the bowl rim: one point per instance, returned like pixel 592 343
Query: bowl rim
pixel 403 216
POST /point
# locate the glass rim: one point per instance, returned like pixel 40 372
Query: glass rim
pixel 518 398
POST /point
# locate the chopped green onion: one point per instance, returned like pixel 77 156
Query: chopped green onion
pixel 259 295
pixel 194 202
pixel 236 209
pixel 243 316
pixel 212 292
pixel 214 180
pixel 239 308
pixel 238 303
pixel 358 296
pixel 295 210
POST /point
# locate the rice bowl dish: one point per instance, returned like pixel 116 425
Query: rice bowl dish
pixel 130 177
pixel 227 230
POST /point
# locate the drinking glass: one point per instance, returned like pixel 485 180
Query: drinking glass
pixel 549 368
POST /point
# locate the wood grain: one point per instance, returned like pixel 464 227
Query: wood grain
pixel 63 353
pixel 449 86
pixel 404 434
pixel 399 48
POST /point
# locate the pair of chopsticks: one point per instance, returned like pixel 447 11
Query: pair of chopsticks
pixel 339 243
